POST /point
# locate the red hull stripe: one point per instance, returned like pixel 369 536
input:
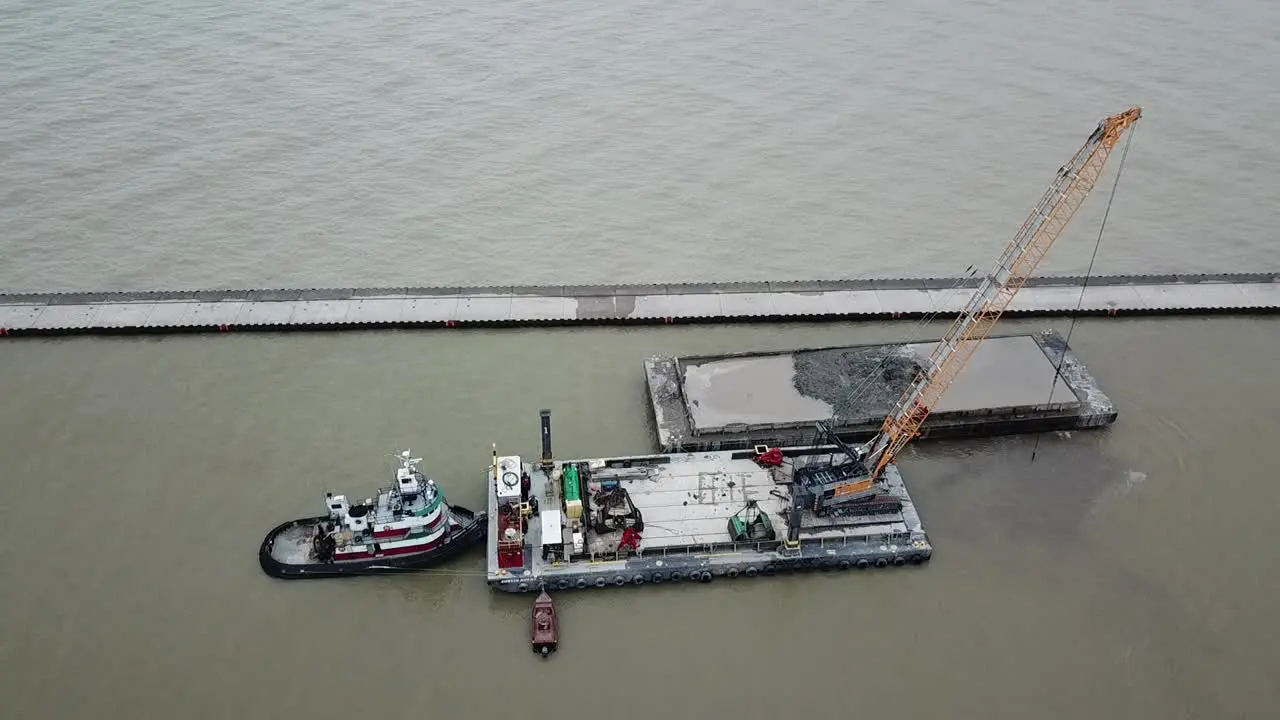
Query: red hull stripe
pixel 352 556
pixel 389 552
pixel 404 532
pixel 409 549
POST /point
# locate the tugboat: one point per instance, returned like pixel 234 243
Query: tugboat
pixel 407 526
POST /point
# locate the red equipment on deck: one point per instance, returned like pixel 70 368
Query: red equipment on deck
pixel 630 540
pixel 770 458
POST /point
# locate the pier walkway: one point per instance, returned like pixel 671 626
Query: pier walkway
pixel 354 308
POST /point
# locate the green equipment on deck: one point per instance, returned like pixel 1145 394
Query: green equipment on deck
pixel 750 524
pixel 572 493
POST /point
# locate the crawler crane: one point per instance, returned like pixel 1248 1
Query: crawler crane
pixel 853 485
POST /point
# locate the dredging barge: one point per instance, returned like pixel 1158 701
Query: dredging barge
pixel 695 516
pixel 687 517
pixel 406 527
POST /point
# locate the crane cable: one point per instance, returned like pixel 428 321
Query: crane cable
pixel 1057 373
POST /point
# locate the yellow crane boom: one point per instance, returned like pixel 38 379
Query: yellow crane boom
pixel 1059 203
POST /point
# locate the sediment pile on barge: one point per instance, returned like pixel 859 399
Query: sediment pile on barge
pixel 739 400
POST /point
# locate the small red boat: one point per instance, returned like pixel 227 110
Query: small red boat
pixel 546 631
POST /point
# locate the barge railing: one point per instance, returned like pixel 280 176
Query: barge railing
pixel 733 548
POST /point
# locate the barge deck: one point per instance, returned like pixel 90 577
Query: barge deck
pixel 692 517
pixel 740 400
pixel 403 307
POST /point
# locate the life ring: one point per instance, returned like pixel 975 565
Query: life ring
pixel 844 564
pixel 600 582
pixel 619 581
pixel 751 571
pixel 732 572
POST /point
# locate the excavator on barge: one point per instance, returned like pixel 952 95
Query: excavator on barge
pixel 694 516
pixel 849 481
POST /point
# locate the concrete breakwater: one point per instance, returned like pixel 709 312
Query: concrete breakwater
pixel 513 306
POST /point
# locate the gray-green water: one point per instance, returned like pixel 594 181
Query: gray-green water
pixel 1126 572
pixel 300 143
pixel 194 143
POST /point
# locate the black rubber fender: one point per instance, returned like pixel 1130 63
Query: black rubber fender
pixel 863 564
pixel 899 561
pixel 619 581
pixel 752 571
pixel 676 576
pixel 705 576
pixel 732 572
pixel 656 579
pixel 881 562
pixel 600 582
pixel 582 583
pixel 844 564
pixel 638 579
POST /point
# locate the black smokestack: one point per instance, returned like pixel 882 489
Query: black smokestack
pixel 546 436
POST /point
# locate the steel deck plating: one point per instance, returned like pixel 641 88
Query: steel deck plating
pixel 686 502
pixel 356 308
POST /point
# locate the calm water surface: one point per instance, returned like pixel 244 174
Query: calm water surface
pixel 304 143
pixel 1124 572
pixel 298 143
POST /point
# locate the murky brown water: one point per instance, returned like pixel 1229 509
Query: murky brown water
pixel 313 143
pixel 1123 573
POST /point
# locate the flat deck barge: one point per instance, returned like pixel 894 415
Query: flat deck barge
pixel 737 401
pixel 515 306
pixel 696 517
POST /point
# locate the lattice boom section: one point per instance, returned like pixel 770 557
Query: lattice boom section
pixel 1057 206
